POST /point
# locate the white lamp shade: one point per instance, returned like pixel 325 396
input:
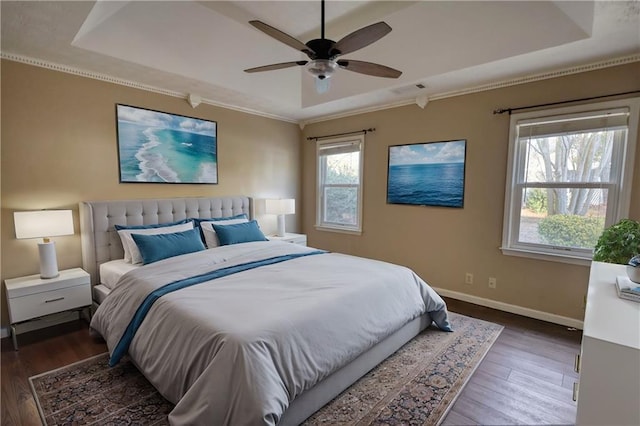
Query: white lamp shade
pixel 281 206
pixel 43 223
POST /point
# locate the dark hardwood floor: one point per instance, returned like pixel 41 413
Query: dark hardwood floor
pixel 526 378
pixel 40 351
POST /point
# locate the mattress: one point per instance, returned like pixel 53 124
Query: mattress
pixel 110 272
pixel 99 293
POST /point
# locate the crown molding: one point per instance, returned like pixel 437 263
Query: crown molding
pixel 489 86
pixel 302 123
pixel 115 80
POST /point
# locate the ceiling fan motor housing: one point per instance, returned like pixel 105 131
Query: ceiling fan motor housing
pixel 322 48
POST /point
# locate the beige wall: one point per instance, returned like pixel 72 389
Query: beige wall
pixel 441 244
pixel 59 148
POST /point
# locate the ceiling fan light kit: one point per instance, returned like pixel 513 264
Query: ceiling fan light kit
pixel 323 53
pixel 322 68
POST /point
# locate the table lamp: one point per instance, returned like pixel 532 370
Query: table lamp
pixel 44 224
pixel 280 207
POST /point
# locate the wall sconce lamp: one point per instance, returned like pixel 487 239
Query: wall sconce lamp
pixel 44 224
pixel 280 207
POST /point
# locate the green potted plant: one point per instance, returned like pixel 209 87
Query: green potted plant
pixel 620 243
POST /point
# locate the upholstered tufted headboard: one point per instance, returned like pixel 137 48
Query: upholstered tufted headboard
pixel 101 243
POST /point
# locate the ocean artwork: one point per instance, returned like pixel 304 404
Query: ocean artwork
pixel 157 147
pixel 427 174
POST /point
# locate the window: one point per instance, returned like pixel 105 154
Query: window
pixel 339 195
pixel 569 176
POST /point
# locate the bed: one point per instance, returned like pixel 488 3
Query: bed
pixel 263 345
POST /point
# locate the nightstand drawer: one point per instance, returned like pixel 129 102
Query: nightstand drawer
pixel 49 302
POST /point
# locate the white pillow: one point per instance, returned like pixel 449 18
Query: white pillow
pixel 210 237
pixel 130 246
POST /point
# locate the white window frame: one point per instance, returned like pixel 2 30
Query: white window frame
pixel 321 224
pixel 619 192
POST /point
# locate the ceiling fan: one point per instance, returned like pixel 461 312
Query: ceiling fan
pixel 323 52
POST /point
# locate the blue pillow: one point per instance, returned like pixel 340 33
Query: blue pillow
pixel 158 225
pixel 161 246
pixel 239 233
pixel 196 221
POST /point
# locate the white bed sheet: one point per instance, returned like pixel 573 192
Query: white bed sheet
pixel 110 272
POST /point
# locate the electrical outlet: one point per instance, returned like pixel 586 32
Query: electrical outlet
pixel 492 282
pixel 468 278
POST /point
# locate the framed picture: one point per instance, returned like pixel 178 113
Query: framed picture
pixel 427 174
pixel 158 147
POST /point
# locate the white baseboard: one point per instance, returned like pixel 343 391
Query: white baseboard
pixel 4 332
pixel 514 309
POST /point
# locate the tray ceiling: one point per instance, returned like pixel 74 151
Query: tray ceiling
pixel 203 47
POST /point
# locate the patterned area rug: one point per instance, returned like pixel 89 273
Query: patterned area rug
pixel 416 385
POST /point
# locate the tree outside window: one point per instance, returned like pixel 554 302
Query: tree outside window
pixel 566 176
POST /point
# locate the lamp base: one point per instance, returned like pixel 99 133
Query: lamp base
pixel 48 278
pixel 280 232
pixel 48 260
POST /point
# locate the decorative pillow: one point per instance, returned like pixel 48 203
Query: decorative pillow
pixel 210 237
pixel 197 221
pixel 239 233
pixel 130 246
pixel 126 242
pixel 161 246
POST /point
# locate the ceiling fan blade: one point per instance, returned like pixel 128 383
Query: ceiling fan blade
pixel 361 38
pixel 369 68
pixel 282 37
pixel 276 66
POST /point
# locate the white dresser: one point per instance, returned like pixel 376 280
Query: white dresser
pixel 609 387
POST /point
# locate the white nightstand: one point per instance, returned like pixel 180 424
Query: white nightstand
pixel 290 237
pixel 33 297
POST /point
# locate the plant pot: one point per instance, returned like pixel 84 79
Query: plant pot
pixel 634 273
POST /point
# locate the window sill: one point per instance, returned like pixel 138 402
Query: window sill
pixel 338 230
pixel 573 260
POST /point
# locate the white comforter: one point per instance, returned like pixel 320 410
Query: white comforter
pixel 236 350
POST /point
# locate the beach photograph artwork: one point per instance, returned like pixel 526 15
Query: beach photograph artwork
pixel 427 174
pixel 158 147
